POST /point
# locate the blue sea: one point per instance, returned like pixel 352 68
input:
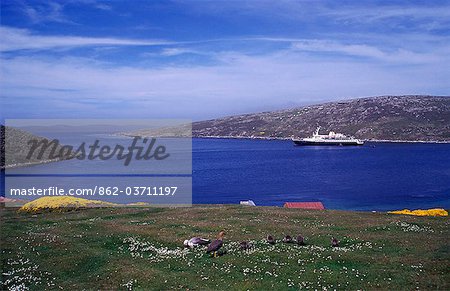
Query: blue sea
pixel 376 176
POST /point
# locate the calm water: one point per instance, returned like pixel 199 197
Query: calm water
pixel 377 176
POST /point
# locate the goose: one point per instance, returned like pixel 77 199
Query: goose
pixel 287 239
pixel 271 240
pixel 215 245
pixel 334 242
pixel 196 241
pixel 244 245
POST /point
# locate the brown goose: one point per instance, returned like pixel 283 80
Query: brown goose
pixel 334 242
pixel 287 239
pixel 215 245
pixel 271 240
pixel 245 245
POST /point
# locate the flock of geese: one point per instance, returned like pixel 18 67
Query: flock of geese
pixel 215 245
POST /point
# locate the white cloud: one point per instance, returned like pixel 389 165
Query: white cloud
pixel 176 51
pixel 14 39
pixel 381 13
pixel 239 83
pixel 103 6
pixel 356 12
pixel 46 12
pixel 294 72
pixel 22 39
pixel 397 55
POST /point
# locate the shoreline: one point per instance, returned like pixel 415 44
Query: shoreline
pixel 29 164
pixel 17 202
pixel 288 138
pixel 282 138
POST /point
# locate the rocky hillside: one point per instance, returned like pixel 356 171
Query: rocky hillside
pixel 408 118
pixel 15 148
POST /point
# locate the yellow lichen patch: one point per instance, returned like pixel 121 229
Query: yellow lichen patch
pixel 62 203
pixel 420 212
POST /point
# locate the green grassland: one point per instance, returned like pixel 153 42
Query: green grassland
pixel 141 248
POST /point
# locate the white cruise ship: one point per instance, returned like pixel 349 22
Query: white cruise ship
pixel 329 139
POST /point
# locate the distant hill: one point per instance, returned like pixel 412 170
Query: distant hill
pixel 397 118
pixel 15 148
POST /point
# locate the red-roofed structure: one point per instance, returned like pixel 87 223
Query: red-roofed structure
pixel 305 205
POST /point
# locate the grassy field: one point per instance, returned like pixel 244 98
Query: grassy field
pixel 140 248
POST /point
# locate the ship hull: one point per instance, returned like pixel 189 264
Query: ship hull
pixel 326 143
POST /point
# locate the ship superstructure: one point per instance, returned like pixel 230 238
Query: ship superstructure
pixel 332 138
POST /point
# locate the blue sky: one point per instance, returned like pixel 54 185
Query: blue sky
pixel 205 59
